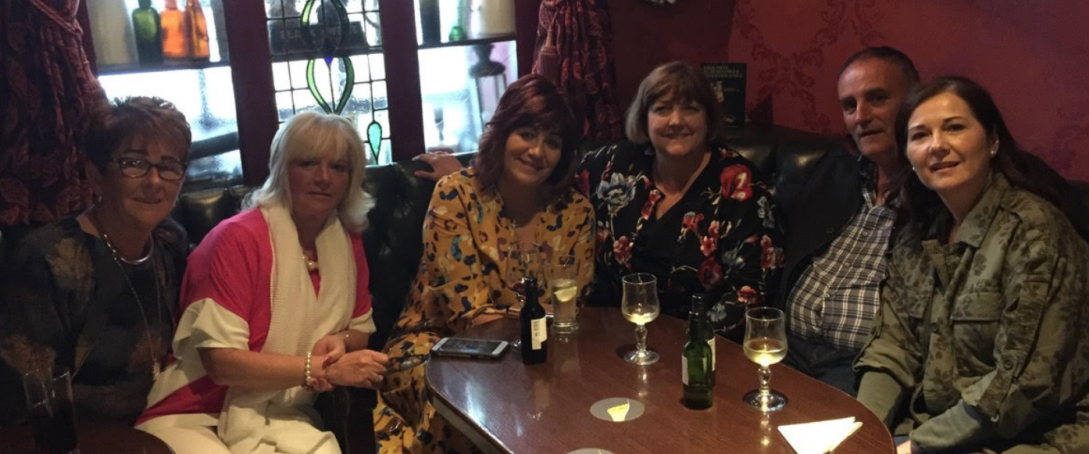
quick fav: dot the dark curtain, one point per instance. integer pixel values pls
(46, 89)
(573, 50)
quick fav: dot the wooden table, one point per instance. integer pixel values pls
(94, 438)
(507, 407)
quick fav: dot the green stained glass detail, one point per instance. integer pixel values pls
(346, 88)
(374, 136)
(328, 48)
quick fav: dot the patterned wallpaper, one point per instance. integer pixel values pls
(1032, 56)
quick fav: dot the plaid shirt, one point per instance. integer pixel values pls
(837, 296)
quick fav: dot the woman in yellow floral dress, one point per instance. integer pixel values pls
(517, 194)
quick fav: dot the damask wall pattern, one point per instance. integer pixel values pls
(1032, 56)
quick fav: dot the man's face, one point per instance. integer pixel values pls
(870, 94)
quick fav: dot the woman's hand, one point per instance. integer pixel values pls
(332, 347)
(360, 369)
(908, 447)
(442, 164)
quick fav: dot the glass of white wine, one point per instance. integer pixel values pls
(765, 344)
(640, 306)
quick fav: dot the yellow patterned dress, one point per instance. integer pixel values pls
(462, 276)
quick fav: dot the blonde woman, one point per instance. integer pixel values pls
(275, 306)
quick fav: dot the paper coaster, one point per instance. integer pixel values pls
(617, 409)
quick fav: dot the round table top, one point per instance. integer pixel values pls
(508, 407)
(94, 438)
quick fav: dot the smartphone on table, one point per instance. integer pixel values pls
(462, 347)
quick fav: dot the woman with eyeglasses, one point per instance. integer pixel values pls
(97, 293)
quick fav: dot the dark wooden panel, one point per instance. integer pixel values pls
(254, 96)
(545, 409)
(93, 438)
(402, 78)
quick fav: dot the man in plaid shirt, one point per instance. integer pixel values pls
(840, 221)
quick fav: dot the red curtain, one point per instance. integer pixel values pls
(46, 88)
(573, 50)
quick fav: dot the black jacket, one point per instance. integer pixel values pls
(817, 209)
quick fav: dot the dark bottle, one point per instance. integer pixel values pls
(696, 358)
(149, 40)
(534, 328)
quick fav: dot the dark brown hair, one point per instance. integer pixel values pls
(684, 83)
(1023, 170)
(530, 101)
(111, 124)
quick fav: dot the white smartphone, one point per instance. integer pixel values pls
(469, 348)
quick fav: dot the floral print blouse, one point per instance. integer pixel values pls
(722, 237)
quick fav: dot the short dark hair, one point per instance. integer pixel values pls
(110, 124)
(889, 54)
(1021, 168)
(536, 102)
(686, 84)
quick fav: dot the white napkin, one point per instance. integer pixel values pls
(819, 437)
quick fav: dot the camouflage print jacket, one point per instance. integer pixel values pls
(988, 337)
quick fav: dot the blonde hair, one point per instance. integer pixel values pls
(310, 135)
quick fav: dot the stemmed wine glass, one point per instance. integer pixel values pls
(765, 344)
(640, 306)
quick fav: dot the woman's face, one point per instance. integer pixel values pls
(530, 156)
(318, 185)
(948, 147)
(676, 128)
(148, 199)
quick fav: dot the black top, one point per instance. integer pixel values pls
(67, 303)
(721, 238)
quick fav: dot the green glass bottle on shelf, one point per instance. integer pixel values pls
(196, 31)
(145, 25)
(697, 373)
(457, 32)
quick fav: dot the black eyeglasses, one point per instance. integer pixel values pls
(138, 168)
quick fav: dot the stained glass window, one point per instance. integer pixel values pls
(327, 57)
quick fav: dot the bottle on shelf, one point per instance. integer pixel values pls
(534, 326)
(146, 28)
(196, 31)
(111, 28)
(173, 25)
(696, 358)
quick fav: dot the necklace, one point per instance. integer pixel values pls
(118, 256)
(155, 366)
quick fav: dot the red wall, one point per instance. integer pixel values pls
(1032, 56)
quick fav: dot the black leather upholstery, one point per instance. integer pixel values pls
(393, 239)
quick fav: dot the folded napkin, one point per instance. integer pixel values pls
(819, 437)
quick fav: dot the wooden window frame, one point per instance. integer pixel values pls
(251, 74)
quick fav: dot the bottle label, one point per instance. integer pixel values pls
(539, 332)
(684, 370)
(711, 342)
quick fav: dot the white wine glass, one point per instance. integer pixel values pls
(765, 344)
(640, 306)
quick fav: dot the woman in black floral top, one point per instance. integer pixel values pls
(697, 216)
